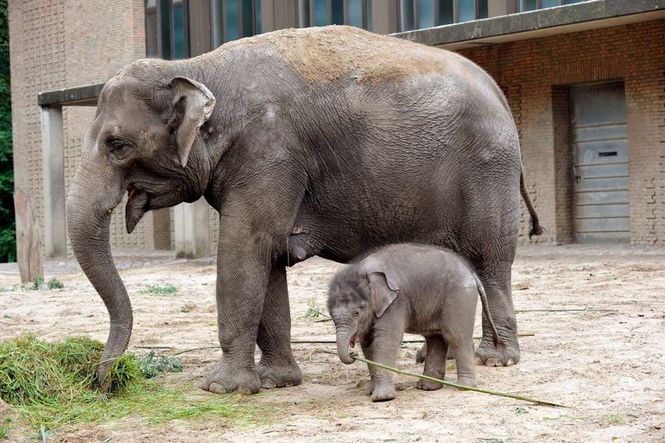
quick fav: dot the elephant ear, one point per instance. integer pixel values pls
(192, 107)
(384, 291)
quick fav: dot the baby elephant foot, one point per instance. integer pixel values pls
(427, 385)
(279, 376)
(383, 393)
(467, 381)
(224, 379)
(369, 387)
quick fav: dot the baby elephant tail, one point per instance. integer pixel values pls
(486, 312)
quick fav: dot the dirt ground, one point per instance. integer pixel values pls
(608, 366)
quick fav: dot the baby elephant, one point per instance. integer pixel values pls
(414, 288)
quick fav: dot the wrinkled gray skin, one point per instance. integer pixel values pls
(351, 155)
(408, 288)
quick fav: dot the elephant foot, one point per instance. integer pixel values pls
(467, 381)
(279, 376)
(224, 379)
(369, 387)
(427, 385)
(383, 393)
(507, 354)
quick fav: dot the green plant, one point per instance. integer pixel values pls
(54, 283)
(37, 283)
(151, 365)
(5, 425)
(167, 289)
(54, 384)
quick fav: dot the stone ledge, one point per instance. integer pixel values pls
(538, 20)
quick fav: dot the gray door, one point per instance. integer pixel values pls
(601, 163)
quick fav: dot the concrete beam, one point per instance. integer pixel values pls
(539, 23)
(79, 96)
(53, 164)
(191, 228)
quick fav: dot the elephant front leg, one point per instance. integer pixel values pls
(277, 367)
(500, 300)
(388, 334)
(242, 278)
(366, 343)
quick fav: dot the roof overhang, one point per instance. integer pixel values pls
(540, 23)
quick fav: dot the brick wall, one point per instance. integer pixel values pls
(61, 44)
(535, 73)
(37, 50)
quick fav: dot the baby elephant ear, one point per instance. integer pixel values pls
(384, 291)
(192, 106)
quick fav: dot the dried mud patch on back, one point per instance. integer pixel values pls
(333, 52)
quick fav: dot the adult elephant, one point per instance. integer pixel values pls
(355, 139)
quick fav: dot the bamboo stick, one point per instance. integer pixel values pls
(448, 383)
(566, 310)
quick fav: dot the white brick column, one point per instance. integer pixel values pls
(53, 158)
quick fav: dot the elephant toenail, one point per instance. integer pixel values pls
(510, 362)
(268, 383)
(217, 388)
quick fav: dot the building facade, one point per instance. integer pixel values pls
(585, 81)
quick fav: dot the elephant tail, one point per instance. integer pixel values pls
(486, 312)
(536, 229)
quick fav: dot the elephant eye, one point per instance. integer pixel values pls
(116, 145)
(356, 312)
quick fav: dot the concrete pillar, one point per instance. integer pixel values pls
(53, 162)
(384, 17)
(496, 8)
(192, 233)
(278, 14)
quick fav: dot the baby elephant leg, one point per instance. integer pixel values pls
(457, 329)
(366, 343)
(466, 365)
(385, 348)
(435, 362)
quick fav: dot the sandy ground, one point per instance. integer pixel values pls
(609, 367)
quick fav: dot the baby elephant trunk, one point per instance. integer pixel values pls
(343, 345)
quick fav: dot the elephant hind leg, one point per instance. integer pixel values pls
(496, 280)
(277, 367)
(435, 362)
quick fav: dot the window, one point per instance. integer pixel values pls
(531, 5)
(418, 14)
(151, 32)
(179, 42)
(233, 19)
(335, 12)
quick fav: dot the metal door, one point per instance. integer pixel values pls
(601, 163)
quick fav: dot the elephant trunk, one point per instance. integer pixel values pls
(97, 190)
(343, 345)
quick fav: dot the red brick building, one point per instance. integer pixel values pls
(585, 81)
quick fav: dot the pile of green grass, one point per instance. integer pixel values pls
(55, 384)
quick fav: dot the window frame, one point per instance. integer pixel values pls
(435, 4)
(306, 13)
(539, 5)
